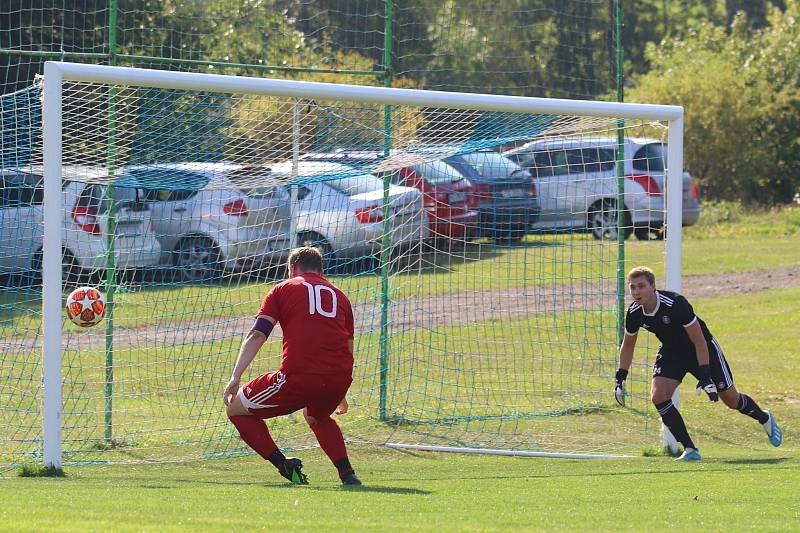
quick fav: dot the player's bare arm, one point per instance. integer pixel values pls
(626, 350)
(700, 345)
(706, 384)
(625, 359)
(252, 343)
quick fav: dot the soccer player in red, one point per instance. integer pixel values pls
(316, 367)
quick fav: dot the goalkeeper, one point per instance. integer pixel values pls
(315, 373)
(686, 346)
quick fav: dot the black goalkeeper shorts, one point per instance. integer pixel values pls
(677, 365)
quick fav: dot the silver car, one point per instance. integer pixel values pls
(577, 182)
(344, 216)
(206, 222)
(84, 229)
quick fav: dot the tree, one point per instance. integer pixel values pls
(741, 94)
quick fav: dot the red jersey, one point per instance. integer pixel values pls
(317, 322)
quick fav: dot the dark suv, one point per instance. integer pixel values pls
(507, 200)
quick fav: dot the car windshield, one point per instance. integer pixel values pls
(18, 189)
(165, 184)
(437, 172)
(651, 158)
(356, 184)
(258, 181)
(94, 197)
(492, 164)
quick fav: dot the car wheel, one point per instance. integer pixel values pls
(197, 258)
(315, 240)
(649, 234)
(71, 271)
(602, 221)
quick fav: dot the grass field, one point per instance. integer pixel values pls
(742, 484)
(735, 489)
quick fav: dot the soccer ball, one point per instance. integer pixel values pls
(86, 306)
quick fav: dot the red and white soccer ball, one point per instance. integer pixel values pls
(86, 306)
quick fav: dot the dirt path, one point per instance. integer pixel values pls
(740, 283)
(437, 310)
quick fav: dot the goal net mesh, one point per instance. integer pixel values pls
(485, 296)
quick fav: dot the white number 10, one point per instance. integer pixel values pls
(315, 299)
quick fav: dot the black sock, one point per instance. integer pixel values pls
(674, 421)
(748, 406)
(343, 466)
(277, 458)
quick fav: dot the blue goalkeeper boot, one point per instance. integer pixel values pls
(292, 469)
(773, 431)
(690, 454)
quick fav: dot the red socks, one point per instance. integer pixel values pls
(330, 439)
(255, 433)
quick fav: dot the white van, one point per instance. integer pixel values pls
(577, 181)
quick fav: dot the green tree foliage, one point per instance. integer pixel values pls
(521, 47)
(741, 92)
(651, 21)
(262, 125)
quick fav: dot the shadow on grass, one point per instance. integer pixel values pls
(365, 488)
(326, 487)
(772, 461)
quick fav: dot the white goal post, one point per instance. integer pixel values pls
(56, 73)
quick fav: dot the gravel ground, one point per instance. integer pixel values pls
(437, 310)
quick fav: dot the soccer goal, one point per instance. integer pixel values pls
(488, 297)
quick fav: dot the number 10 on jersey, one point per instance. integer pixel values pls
(315, 300)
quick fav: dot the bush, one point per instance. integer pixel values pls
(741, 94)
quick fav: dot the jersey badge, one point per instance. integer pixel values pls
(665, 319)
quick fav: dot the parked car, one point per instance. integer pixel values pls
(448, 196)
(85, 225)
(577, 182)
(507, 200)
(206, 221)
(343, 216)
(649, 158)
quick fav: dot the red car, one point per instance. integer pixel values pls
(449, 197)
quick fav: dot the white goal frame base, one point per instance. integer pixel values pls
(512, 453)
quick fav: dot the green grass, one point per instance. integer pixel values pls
(742, 483)
(729, 220)
(540, 260)
(740, 489)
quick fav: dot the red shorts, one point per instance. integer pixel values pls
(275, 394)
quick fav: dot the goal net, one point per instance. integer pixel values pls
(480, 239)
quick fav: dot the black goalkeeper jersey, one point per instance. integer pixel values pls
(668, 322)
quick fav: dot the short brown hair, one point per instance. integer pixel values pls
(642, 271)
(307, 258)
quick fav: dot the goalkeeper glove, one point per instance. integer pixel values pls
(706, 384)
(619, 386)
